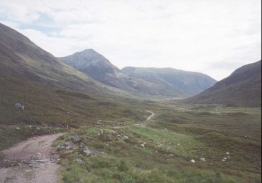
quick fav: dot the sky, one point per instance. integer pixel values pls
(213, 37)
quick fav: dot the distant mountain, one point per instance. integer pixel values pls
(190, 83)
(99, 68)
(93, 64)
(241, 88)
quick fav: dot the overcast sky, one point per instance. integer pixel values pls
(214, 37)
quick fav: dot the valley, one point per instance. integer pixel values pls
(161, 147)
(134, 125)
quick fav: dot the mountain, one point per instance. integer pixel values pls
(99, 68)
(190, 83)
(51, 91)
(22, 59)
(241, 88)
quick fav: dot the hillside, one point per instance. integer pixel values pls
(52, 92)
(99, 68)
(21, 58)
(241, 88)
(190, 83)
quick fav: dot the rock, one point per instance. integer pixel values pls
(94, 153)
(87, 152)
(202, 159)
(19, 106)
(143, 145)
(192, 161)
(227, 153)
(38, 128)
(17, 128)
(79, 161)
(69, 145)
(66, 145)
(125, 137)
(171, 155)
(60, 147)
(82, 145)
(75, 138)
(38, 155)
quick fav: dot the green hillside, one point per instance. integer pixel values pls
(241, 88)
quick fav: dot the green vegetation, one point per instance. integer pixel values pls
(161, 150)
(241, 88)
(175, 135)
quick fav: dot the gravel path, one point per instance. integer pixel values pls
(34, 161)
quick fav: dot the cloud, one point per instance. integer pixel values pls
(203, 36)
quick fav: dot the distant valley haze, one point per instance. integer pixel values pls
(210, 37)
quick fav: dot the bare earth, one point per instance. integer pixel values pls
(36, 164)
(151, 116)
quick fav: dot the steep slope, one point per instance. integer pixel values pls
(190, 83)
(241, 88)
(99, 68)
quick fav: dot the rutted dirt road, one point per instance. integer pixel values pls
(34, 160)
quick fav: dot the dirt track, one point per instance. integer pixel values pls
(33, 158)
(151, 116)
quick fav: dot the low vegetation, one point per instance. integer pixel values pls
(129, 148)
(161, 150)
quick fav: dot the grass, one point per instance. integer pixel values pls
(169, 147)
(56, 108)
(175, 135)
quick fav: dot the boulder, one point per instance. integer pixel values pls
(94, 153)
(60, 147)
(69, 145)
(87, 152)
(202, 159)
(75, 138)
(19, 106)
(66, 145)
(82, 145)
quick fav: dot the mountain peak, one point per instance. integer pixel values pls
(89, 50)
(88, 53)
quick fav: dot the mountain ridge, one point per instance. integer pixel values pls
(99, 68)
(189, 82)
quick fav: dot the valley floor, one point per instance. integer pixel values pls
(173, 143)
